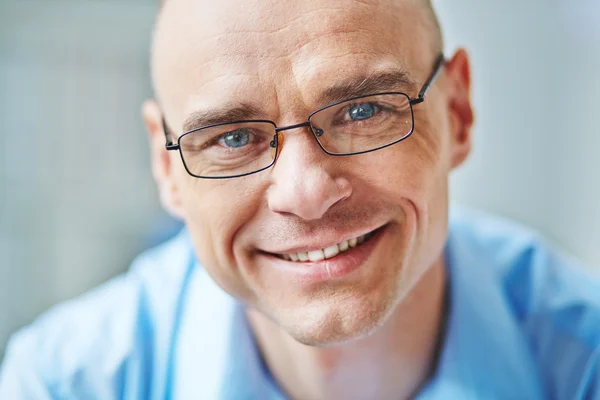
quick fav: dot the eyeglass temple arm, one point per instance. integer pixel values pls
(439, 62)
(169, 145)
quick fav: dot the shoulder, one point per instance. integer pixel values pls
(537, 278)
(553, 298)
(95, 340)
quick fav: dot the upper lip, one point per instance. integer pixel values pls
(320, 243)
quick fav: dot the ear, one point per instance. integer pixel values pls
(458, 75)
(161, 160)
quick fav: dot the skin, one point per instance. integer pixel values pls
(373, 333)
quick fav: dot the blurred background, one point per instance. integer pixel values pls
(77, 201)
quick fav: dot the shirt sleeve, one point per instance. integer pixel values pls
(76, 350)
(19, 376)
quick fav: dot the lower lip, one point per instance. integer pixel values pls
(337, 267)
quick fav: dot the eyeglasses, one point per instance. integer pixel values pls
(354, 126)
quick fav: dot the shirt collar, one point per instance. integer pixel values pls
(214, 352)
(484, 353)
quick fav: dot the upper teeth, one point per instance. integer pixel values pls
(329, 252)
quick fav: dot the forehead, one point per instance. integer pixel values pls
(209, 53)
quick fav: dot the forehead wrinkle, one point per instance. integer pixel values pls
(327, 59)
(335, 11)
(325, 35)
(274, 50)
(242, 28)
(324, 26)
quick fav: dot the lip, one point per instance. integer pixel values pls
(340, 266)
(321, 244)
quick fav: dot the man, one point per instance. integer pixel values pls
(307, 146)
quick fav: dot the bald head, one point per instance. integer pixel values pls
(431, 19)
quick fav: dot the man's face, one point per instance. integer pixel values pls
(280, 57)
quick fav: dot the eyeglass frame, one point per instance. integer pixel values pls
(170, 146)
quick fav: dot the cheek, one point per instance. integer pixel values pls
(414, 175)
(214, 213)
(429, 166)
(412, 169)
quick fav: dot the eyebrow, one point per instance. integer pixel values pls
(243, 111)
(383, 81)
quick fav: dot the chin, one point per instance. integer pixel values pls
(340, 319)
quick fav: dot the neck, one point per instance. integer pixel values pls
(392, 363)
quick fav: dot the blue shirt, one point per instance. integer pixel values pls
(523, 323)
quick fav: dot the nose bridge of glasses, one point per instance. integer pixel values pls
(289, 127)
(277, 142)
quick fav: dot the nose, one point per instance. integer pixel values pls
(304, 181)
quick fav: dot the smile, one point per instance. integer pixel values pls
(328, 252)
(311, 265)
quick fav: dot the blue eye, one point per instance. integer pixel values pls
(362, 111)
(235, 139)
